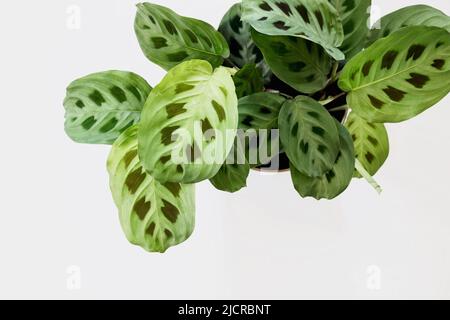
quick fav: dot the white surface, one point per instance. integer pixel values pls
(264, 242)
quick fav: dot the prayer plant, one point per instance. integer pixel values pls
(304, 85)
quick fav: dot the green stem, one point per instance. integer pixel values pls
(329, 100)
(335, 70)
(363, 172)
(341, 108)
(280, 93)
(231, 63)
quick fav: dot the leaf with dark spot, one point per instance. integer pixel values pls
(100, 106)
(219, 110)
(315, 21)
(168, 233)
(88, 123)
(438, 64)
(206, 125)
(300, 63)
(388, 59)
(134, 180)
(319, 18)
(154, 216)
(108, 126)
(281, 25)
(183, 87)
(335, 180)
(414, 15)
(170, 211)
(192, 96)
(165, 159)
(418, 80)
(97, 98)
(177, 56)
(370, 157)
(319, 131)
(159, 42)
(119, 94)
(375, 102)
(173, 187)
(265, 6)
(368, 139)
(170, 27)
(415, 52)
(151, 229)
(311, 143)
(366, 68)
(173, 39)
(192, 36)
(248, 80)
(141, 208)
(129, 157)
(80, 104)
(405, 61)
(303, 13)
(284, 7)
(394, 94)
(354, 15)
(175, 109)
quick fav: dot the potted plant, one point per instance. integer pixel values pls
(311, 74)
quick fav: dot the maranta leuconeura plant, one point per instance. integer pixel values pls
(299, 85)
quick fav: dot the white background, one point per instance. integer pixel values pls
(264, 242)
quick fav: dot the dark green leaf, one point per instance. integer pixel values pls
(258, 116)
(303, 65)
(100, 106)
(168, 39)
(355, 16)
(248, 80)
(242, 48)
(335, 181)
(309, 136)
(233, 174)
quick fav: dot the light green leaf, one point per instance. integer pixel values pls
(309, 136)
(191, 105)
(314, 20)
(100, 106)
(334, 182)
(153, 215)
(248, 80)
(417, 15)
(300, 63)
(242, 48)
(355, 15)
(259, 112)
(399, 76)
(233, 174)
(168, 38)
(371, 142)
